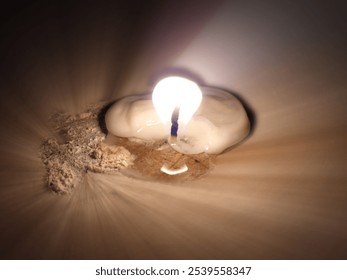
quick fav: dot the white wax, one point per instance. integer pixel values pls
(134, 116)
(220, 122)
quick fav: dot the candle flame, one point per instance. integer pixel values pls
(172, 92)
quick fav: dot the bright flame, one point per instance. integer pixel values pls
(172, 92)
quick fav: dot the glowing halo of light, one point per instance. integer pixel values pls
(172, 92)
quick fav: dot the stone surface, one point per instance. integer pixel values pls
(79, 148)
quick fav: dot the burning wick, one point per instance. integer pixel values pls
(174, 124)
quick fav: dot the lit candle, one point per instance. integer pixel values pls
(203, 119)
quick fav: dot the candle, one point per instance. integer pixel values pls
(207, 119)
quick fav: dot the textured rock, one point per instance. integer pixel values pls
(81, 150)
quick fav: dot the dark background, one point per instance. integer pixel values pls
(280, 195)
